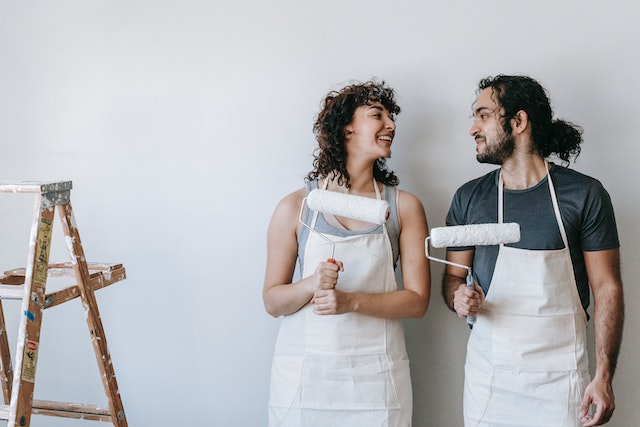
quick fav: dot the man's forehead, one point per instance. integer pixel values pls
(485, 100)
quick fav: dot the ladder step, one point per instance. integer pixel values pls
(11, 279)
(98, 266)
(64, 269)
(17, 277)
(34, 186)
(64, 409)
(71, 410)
(98, 280)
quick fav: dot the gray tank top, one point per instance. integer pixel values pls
(322, 226)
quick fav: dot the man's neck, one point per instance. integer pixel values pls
(520, 172)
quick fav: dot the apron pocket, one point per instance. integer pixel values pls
(348, 334)
(286, 374)
(477, 393)
(534, 343)
(525, 399)
(354, 382)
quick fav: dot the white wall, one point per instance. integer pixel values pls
(182, 123)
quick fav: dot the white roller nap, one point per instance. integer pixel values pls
(347, 205)
(475, 235)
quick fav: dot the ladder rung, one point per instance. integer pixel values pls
(65, 269)
(17, 277)
(11, 292)
(11, 279)
(64, 409)
(97, 266)
(99, 280)
(71, 410)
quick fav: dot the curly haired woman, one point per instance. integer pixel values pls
(340, 357)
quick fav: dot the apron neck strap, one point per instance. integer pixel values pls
(556, 208)
(500, 198)
(375, 186)
(554, 201)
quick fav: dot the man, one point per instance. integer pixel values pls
(527, 353)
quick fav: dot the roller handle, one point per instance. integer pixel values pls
(471, 320)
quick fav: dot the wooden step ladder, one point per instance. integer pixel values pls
(28, 284)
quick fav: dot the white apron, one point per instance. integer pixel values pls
(527, 353)
(348, 369)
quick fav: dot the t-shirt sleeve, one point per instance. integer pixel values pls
(599, 230)
(457, 215)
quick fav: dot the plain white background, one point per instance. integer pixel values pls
(182, 123)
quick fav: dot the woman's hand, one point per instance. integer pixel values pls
(332, 301)
(326, 275)
(325, 278)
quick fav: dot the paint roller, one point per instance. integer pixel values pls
(351, 206)
(471, 235)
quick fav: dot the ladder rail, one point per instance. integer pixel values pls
(90, 306)
(28, 342)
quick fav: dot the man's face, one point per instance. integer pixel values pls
(493, 145)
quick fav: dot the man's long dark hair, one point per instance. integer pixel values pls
(338, 107)
(550, 136)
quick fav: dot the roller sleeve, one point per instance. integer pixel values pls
(475, 235)
(347, 205)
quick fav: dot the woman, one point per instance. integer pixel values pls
(340, 357)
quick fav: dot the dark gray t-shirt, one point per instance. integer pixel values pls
(585, 208)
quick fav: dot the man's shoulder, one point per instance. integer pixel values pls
(564, 177)
(484, 182)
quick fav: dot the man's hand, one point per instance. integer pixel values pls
(600, 394)
(467, 302)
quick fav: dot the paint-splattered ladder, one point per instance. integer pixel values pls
(28, 284)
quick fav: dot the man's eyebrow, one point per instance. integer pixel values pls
(480, 109)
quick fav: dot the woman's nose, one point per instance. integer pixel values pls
(391, 125)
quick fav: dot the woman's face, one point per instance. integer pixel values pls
(370, 132)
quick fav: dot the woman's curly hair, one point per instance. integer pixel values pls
(338, 107)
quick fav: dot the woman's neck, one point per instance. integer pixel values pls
(359, 185)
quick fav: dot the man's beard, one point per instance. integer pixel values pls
(496, 154)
